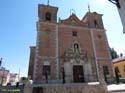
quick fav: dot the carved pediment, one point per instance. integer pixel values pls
(75, 53)
(73, 20)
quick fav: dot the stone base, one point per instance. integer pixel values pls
(70, 88)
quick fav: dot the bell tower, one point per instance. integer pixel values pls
(100, 46)
(47, 13)
(95, 20)
(45, 58)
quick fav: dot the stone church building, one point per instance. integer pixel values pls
(69, 50)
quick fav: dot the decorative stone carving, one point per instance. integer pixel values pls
(74, 55)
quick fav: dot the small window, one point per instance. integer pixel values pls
(74, 33)
(48, 16)
(105, 69)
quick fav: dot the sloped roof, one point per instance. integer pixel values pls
(118, 59)
(73, 20)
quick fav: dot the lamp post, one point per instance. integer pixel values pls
(121, 8)
(3, 69)
(116, 2)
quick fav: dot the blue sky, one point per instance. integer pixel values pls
(18, 27)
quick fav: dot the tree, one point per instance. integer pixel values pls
(117, 75)
(113, 53)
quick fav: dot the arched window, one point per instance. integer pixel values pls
(48, 16)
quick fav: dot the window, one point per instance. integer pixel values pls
(46, 70)
(105, 69)
(48, 16)
(74, 33)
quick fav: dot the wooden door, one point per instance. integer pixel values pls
(78, 75)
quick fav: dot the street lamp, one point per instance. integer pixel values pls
(116, 2)
(121, 8)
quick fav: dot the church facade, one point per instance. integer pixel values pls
(70, 50)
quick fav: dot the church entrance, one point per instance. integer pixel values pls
(78, 75)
